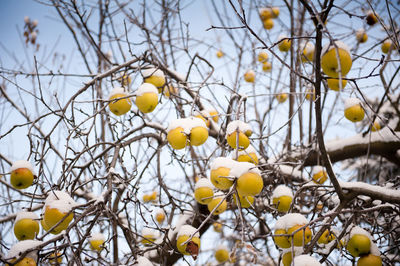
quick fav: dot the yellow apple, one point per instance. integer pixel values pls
(220, 54)
(177, 138)
(280, 239)
(217, 227)
(21, 178)
(267, 67)
(244, 141)
(153, 196)
(24, 262)
(250, 76)
(310, 94)
(149, 236)
(265, 13)
(198, 135)
(250, 158)
(146, 198)
(287, 259)
(182, 248)
(222, 254)
(282, 97)
(55, 258)
(97, 244)
(333, 83)
(147, 102)
(308, 52)
(214, 202)
(120, 107)
(203, 195)
(53, 215)
(369, 260)
(125, 80)
(148, 240)
(329, 61)
(371, 18)
(160, 217)
(297, 237)
(376, 126)
(262, 57)
(386, 45)
(154, 76)
(245, 201)
(214, 115)
(354, 113)
(204, 118)
(268, 24)
(320, 176)
(361, 36)
(219, 178)
(326, 237)
(170, 90)
(275, 12)
(249, 184)
(284, 44)
(26, 228)
(282, 204)
(358, 245)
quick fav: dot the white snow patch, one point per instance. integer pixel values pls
(187, 124)
(375, 250)
(237, 125)
(339, 44)
(203, 182)
(21, 247)
(305, 260)
(282, 36)
(143, 261)
(317, 169)
(356, 230)
(26, 215)
(118, 90)
(188, 230)
(221, 247)
(149, 232)
(148, 72)
(222, 162)
(289, 220)
(59, 195)
(60, 205)
(383, 135)
(97, 236)
(282, 190)
(349, 102)
(240, 168)
(378, 189)
(22, 164)
(180, 76)
(146, 88)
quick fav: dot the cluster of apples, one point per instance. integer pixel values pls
(56, 217)
(146, 94)
(152, 197)
(360, 244)
(263, 58)
(372, 19)
(187, 131)
(267, 14)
